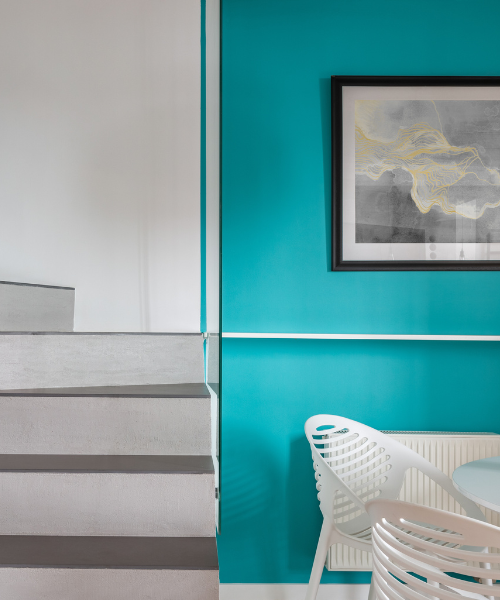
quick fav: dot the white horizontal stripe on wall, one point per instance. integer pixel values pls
(296, 591)
(364, 336)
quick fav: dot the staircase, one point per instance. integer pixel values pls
(106, 476)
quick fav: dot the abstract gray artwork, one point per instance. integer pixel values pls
(427, 171)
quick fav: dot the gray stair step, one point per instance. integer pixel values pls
(104, 552)
(53, 463)
(107, 495)
(33, 307)
(172, 390)
(153, 419)
(108, 568)
(49, 360)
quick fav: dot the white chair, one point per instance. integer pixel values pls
(354, 464)
(421, 553)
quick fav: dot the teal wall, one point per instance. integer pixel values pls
(277, 57)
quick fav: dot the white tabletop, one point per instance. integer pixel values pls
(480, 481)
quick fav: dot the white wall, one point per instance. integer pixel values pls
(99, 157)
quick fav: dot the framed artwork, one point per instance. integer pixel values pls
(415, 173)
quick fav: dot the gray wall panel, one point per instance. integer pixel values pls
(52, 360)
(36, 308)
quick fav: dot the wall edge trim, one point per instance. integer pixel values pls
(364, 336)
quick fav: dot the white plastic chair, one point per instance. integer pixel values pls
(421, 553)
(354, 464)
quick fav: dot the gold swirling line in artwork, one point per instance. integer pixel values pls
(435, 167)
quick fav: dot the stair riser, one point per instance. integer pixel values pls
(107, 504)
(75, 360)
(108, 584)
(34, 425)
(33, 308)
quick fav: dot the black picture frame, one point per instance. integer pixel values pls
(339, 262)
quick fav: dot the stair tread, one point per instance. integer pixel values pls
(106, 552)
(88, 463)
(107, 333)
(38, 285)
(167, 390)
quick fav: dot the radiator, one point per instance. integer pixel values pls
(445, 450)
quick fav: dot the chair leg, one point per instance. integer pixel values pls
(486, 581)
(371, 593)
(433, 584)
(324, 543)
(486, 566)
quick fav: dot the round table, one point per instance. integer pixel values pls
(479, 480)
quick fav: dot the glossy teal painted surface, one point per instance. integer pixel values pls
(271, 518)
(203, 169)
(277, 58)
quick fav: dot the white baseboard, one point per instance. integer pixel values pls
(291, 591)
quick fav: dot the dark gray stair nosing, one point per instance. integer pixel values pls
(40, 285)
(108, 552)
(144, 333)
(94, 463)
(167, 390)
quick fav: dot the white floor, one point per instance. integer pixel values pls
(235, 591)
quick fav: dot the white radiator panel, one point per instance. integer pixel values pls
(447, 451)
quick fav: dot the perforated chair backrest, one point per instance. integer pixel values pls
(421, 553)
(355, 463)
